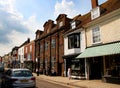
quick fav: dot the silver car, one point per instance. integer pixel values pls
(19, 78)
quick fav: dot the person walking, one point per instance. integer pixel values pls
(69, 73)
(37, 72)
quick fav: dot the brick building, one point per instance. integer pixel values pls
(49, 46)
(29, 53)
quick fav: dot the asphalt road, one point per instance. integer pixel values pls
(40, 83)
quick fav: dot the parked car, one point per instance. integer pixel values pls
(19, 78)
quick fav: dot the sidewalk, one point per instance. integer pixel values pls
(78, 83)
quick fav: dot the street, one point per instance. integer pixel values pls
(40, 83)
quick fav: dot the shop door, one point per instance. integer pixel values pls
(96, 68)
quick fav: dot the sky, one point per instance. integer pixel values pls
(19, 19)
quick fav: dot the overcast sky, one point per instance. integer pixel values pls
(19, 19)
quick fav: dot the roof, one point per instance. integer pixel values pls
(107, 7)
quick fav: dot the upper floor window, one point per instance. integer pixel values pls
(22, 50)
(47, 30)
(46, 45)
(41, 48)
(53, 43)
(38, 36)
(73, 25)
(95, 13)
(96, 34)
(74, 41)
(61, 24)
(30, 48)
(26, 50)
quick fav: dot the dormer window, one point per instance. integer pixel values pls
(73, 25)
(37, 36)
(95, 13)
(47, 30)
(61, 24)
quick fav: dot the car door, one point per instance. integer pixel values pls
(8, 77)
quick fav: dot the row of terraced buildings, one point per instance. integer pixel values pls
(89, 44)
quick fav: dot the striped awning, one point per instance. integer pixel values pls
(103, 50)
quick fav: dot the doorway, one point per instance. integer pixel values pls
(96, 68)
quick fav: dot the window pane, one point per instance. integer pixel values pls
(61, 24)
(96, 35)
(77, 41)
(74, 41)
(53, 43)
(71, 41)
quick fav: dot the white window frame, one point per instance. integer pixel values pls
(53, 42)
(61, 24)
(38, 36)
(30, 48)
(73, 25)
(95, 13)
(97, 34)
(26, 49)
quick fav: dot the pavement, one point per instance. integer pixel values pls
(75, 83)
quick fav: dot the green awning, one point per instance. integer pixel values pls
(102, 50)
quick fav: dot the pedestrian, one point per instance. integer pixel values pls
(37, 71)
(69, 73)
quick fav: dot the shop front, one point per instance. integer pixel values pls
(102, 62)
(112, 69)
(77, 66)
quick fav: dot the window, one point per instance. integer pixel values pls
(46, 45)
(26, 49)
(46, 63)
(48, 30)
(96, 34)
(73, 25)
(95, 13)
(74, 41)
(38, 36)
(22, 50)
(61, 24)
(30, 48)
(41, 48)
(53, 43)
(53, 60)
(41, 63)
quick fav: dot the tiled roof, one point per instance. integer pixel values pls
(105, 8)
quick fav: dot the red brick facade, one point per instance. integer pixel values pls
(29, 55)
(49, 46)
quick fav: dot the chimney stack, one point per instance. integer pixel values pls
(94, 3)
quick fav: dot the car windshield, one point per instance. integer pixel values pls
(22, 73)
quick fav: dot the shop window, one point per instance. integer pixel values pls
(113, 66)
(78, 67)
